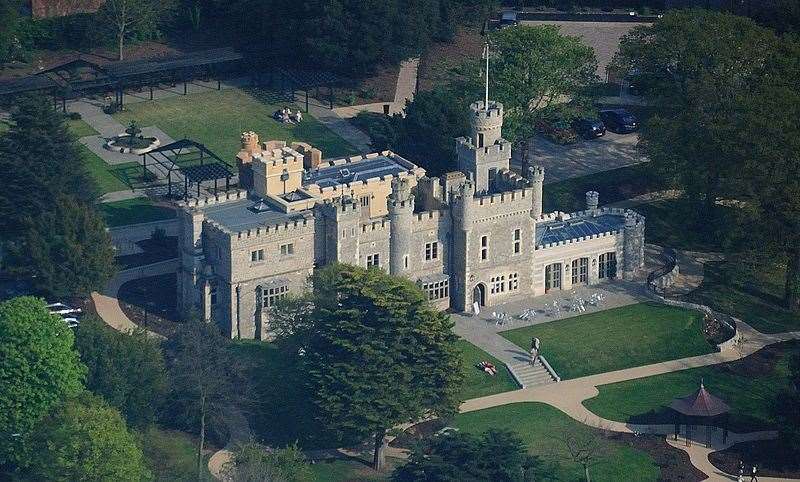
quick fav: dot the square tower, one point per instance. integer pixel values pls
(485, 152)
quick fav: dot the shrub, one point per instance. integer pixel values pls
(74, 116)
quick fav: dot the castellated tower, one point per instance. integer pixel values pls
(462, 211)
(401, 212)
(633, 239)
(485, 152)
(535, 175)
(342, 218)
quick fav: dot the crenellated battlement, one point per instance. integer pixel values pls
(512, 196)
(486, 118)
(293, 226)
(376, 225)
(200, 202)
(579, 240)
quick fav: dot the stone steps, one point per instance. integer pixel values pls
(531, 375)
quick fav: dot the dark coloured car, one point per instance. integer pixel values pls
(619, 120)
(509, 18)
(589, 128)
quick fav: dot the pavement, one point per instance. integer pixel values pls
(586, 156)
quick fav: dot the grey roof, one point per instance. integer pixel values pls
(239, 215)
(550, 232)
(329, 176)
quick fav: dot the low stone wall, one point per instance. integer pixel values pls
(549, 369)
(124, 238)
(729, 321)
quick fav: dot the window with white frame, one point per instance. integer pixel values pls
(517, 241)
(431, 251)
(373, 260)
(498, 284)
(513, 281)
(287, 249)
(484, 247)
(257, 255)
(437, 290)
(272, 294)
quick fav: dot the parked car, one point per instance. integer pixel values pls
(71, 322)
(509, 18)
(619, 120)
(589, 128)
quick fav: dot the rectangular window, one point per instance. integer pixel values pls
(513, 281)
(287, 249)
(607, 265)
(431, 251)
(272, 295)
(373, 260)
(484, 247)
(257, 255)
(580, 271)
(552, 277)
(437, 290)
(213, 293)
(517, 241)
(364, 201)
(498, 284)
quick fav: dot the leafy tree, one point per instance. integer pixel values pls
(126, 369)
(40, 162)
(376, 354)
(134, 19)
(67, 249)
(582, 447)
(768, 185)
(786, 407)
(38, 368)
(426, 135)
(537, 73)
(206, 380)
(9, 17)
(695, 89)
(252, 462)
(495, 455)
(86, 439)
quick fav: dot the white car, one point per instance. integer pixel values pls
(62, 309)
(72, 322)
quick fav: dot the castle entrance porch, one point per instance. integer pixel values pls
(479, 294)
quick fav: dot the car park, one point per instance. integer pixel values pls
(589, 128)
(619, 121)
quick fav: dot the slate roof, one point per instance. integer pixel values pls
(700, 404)
(329, 176)
(239, 215)
(549, 232)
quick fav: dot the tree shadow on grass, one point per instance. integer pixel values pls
(282, 412)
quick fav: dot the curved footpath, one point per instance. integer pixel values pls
(567, 396)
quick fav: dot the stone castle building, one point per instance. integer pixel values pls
(473, 236)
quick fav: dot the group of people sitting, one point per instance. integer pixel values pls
(487, 367)
(286, 116)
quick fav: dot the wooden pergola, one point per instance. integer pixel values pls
(700, 408)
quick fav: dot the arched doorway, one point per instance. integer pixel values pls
(479, 294)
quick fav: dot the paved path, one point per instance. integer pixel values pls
(107, 304)
(341, 127)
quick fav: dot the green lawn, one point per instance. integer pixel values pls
(614, 339)
(753, 296)
(133, 211)
(749, 386)
(80, 128)
(671, 223)
(614, 185)
(476, 382)
(540, 426)
(348, 471)
(218, 118)
(171, 455)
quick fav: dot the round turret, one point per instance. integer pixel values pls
(486, 123)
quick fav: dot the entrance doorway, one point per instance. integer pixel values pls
(479, 294)
(552, 277)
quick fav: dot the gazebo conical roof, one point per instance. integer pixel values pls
(700, 404)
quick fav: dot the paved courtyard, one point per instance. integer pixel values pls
(585, 157)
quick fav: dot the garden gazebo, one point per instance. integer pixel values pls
(700, 408)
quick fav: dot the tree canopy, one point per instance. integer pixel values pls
(38, 368)
(376, 354)
(536, 73)
(126, 369)
(252, 462)
(85, 439)
(458, 457)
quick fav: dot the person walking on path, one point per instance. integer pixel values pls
(535, 344)
(753, 475)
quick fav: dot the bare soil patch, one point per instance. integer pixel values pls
(436, 62)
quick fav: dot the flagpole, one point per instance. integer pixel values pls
(486, 93)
